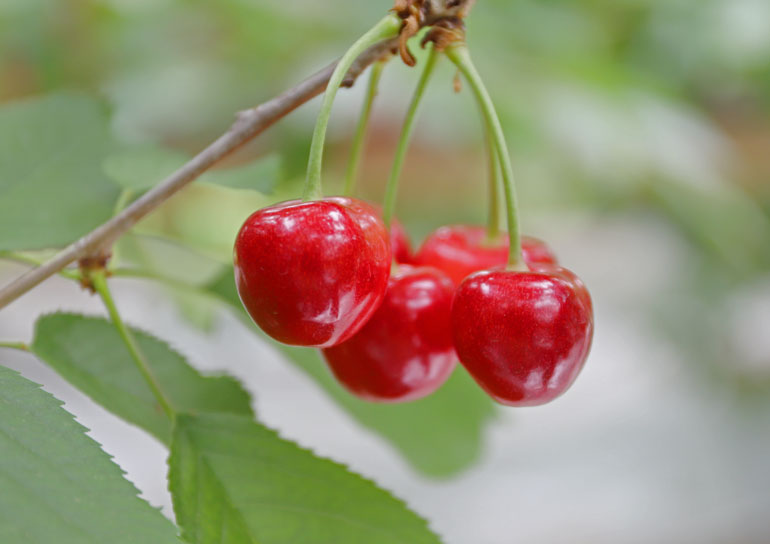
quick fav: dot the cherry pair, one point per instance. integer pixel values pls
(523, 335)
(406, 350)
(316, 273)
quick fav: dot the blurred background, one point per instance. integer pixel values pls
(640, 133)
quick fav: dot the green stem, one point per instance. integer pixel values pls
(15, 345)
(19, 258)
(460, 55)
(99, 280)
(406, 133)
(25, 259)
(388, 27)
(357, 149)
(493, 217)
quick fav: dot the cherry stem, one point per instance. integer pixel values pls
(388, 27)
(406, 133)
(460, 55)
(493, 217)
(15, 345)
(359, 138)
(99, 281)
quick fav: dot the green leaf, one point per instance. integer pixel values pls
(235, 481)
(57, 485)
(141, 168)
(439, 435)
(52, 188)
(89, 353)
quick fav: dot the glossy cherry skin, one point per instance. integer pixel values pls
(312, 273)
(523, 336)
(461, 250)
(405, 351)
(399, 243)
(569, 276)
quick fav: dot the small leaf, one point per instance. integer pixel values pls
(52, 186)
(140, 168)
(439, 435)
(235, 481)
(57, 485)
(89, 353)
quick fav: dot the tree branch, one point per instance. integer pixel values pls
(248, 125)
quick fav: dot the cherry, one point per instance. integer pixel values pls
(399, 243)
(569, 276)
(460, 250)
(405, 351)
(312, 273)
(523, 336)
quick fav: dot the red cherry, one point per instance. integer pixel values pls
(399, 243)
(461, 250)
(312, 273)
(523, 336)
(567, 275)
(405, 351)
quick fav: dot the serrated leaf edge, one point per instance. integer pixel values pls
(165, 343)
(86, 432)
(307, 449)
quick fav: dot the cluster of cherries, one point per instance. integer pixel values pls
(320, 274)
(392, 324)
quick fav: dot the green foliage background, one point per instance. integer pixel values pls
(651, 108)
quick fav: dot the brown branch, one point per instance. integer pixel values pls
(248, 124)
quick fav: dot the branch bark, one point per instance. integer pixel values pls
(248, 125)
